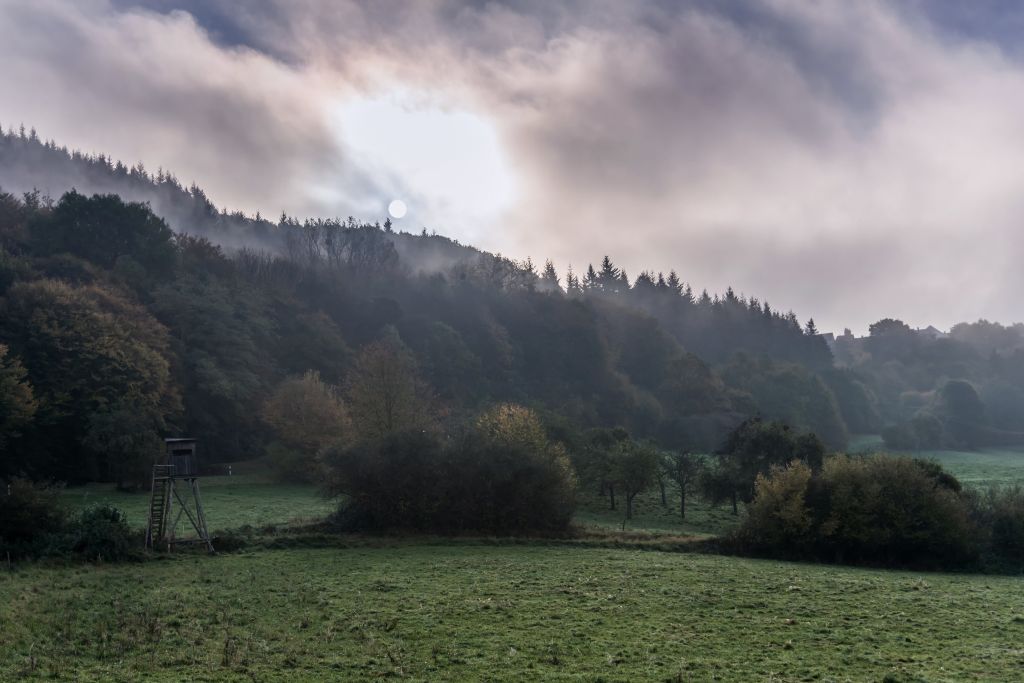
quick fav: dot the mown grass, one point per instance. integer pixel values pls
(473, 612)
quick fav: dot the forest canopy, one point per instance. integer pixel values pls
(121, 325)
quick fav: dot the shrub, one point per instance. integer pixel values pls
(502, 476)
(1008, 523)
(878, 509)
(503, 486)
(101, 532)
(999, 518)
(392, 482)
(290, 464)
(779, 517)
(29, 514)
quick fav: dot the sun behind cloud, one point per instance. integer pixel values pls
(449, 160)
(397, 208)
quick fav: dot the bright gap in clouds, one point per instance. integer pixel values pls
(447, 164)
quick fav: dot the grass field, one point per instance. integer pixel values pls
(230, 502)
(982, 467)
(431, 609)
(650, 515)
(254, 499)
(477, 612)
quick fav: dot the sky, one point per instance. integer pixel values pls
(846, 160)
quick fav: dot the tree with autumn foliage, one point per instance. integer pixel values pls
(307, 414)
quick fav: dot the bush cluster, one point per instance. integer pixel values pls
(998, 514)
(502, 476)
(30, 515)
(33, 524)
(895, 511)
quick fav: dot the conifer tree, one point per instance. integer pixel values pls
(549, 278)
(673, 282)
(608, 279)
(572, 283)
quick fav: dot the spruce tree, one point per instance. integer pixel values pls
(549, 278)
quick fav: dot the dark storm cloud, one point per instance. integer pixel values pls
(821, 155)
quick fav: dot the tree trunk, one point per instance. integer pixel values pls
(735, 507)
(664, 500)
(611, 496)
(629, 505)
(682, 503)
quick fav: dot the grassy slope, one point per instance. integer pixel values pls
(465, 612)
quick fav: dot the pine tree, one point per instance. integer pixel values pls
(549, 278)
(608, 279)
(644, 283)
(688, 295)
(811, 329)
(572, 283)
(673, 282)
(623, 282)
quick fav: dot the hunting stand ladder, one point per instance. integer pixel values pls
(175, 494)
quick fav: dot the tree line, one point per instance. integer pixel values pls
(894, 380)
(115, 331)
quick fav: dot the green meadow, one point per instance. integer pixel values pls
(485, 610)
(426, 612)
(230, 502)
(251, 498)
(980, 468)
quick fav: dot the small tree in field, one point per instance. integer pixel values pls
(636, 467)
(307, 415)
(516, 479)
(682, 471)
(597, 461)
(384, 391)
(753, 448)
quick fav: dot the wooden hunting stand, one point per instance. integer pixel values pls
(176, 478)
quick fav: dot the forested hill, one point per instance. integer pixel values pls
(116, 329)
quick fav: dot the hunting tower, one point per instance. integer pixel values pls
(175, 493)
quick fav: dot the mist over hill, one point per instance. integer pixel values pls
(210, 309)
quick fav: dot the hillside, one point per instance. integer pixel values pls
(209, 310)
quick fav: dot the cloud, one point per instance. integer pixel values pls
(154, 87)
(847, 160)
